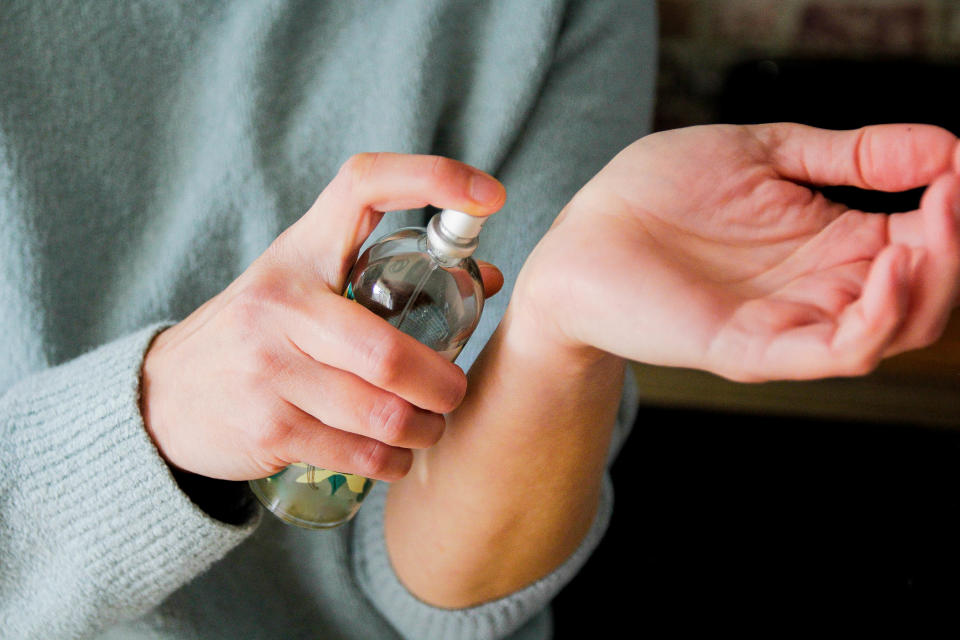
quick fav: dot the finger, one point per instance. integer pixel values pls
(888, 157)
(345, 335)
(331, 232)
(912, 228)
(935, 279)
(346, 402)
(308, 440)
(817, 346)
(867, 327)
(492, 279)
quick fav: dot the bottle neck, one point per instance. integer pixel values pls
(444, 260)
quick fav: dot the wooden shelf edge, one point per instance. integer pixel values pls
(932, 401)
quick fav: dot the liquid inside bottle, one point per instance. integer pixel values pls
(428, 294)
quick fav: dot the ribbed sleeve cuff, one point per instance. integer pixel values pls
(99, 525)
(414, 619)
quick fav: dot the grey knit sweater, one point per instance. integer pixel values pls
(149, 151)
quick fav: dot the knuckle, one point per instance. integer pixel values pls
(442, 167)
(373, 459)
(272, 431)
(357, 168)
(392, 420)
(385, 359)
(257, 361)
(447, 171)
(265, 363)
(258, 299)
(270, 287)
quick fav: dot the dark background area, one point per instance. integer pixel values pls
(723, 520)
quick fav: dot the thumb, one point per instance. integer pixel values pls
(330, 233)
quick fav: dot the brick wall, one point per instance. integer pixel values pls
(701, 39)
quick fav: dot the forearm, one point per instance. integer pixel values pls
(509, 492)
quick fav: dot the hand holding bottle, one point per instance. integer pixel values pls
(280, 368)
(422, 281)
(704, 247)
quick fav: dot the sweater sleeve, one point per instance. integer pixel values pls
(596, 99)
(93, 526)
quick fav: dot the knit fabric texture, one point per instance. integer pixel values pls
(149, 152)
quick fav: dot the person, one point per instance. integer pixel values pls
(699, 248)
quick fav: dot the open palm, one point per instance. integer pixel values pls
(707, 247)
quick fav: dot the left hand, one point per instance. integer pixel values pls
(705, 248)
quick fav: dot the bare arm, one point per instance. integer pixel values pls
(510, 491)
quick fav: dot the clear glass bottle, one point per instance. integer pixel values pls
(423, 282)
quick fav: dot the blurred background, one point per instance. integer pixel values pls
(798, 502)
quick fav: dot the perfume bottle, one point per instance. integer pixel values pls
(424, 283)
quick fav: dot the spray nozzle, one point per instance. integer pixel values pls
(460, 224)
(454, 233)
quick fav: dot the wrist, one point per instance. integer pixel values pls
(534, 328)
(150, 404)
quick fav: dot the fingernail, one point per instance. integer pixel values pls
(484, 189)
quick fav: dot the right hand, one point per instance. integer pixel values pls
(280, 368)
